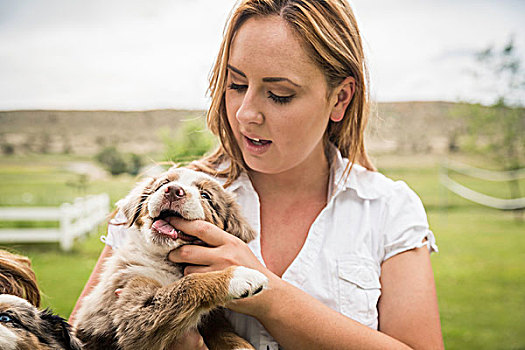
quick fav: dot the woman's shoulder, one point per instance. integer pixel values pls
(398, 211)
(374, 185)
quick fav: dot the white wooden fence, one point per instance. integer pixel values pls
(76, 219)
(480, 198)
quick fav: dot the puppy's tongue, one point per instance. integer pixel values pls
(165, 228)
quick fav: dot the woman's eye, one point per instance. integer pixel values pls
(237, 87)
(205, 195)
(5, 318)
(280, 99)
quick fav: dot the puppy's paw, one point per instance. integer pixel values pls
(246, 282)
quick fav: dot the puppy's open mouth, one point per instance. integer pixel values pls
(166, 213)
(161, 226)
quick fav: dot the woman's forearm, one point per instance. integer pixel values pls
(92, 281)
(298, 321)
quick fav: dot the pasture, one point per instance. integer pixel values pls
(480, 269)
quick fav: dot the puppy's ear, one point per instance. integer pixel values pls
(132, 204)
(60, 330)
(235, 223)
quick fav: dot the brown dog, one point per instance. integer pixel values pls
(22, 325)
(157, 305)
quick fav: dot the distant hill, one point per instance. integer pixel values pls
(85, 132)
(401, 126)
(412, 126)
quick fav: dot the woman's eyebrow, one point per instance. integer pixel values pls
(266, 80)
(277, 79)
(236, 70)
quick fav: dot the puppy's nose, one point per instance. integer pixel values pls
(174, 192)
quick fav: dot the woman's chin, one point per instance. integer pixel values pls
(262, 166)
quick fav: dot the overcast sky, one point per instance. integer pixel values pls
(147, 54)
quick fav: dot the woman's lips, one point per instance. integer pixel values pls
(256, 145)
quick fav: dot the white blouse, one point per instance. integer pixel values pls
(368, 219)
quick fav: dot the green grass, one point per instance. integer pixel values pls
(43, 181)
(480, 276)
(62, 275)
(480, 269)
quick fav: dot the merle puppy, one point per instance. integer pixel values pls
(156, 304)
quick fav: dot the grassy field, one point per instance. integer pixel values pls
(480, 269)
(44, 181)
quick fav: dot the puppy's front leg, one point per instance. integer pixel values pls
(149, 317)
(219, 334)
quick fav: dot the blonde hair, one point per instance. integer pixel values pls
(18, 278)
(330, 35)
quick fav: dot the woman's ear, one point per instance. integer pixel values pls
(343, 94)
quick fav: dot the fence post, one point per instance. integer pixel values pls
(66, 226)
(79, 218)
(443, 193)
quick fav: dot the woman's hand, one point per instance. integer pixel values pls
(190, 341)
(223, 249)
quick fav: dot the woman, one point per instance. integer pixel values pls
(346, 250)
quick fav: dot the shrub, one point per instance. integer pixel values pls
(8, 148)
(191, 141)
(135, 163)
(117, 162)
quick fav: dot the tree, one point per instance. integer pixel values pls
(190, 141)
(117, 162)
(113, 160)
(498, 132)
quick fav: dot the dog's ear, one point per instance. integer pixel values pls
(132, 204)
(60, 330)
(235, 223)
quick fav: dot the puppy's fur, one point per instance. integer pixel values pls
(157, 305)
(18, 278)
(22, 325)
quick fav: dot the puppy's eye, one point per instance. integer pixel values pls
(4, 318)
(205, 195)
(162, 183)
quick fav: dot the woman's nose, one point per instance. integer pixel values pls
(249, 112)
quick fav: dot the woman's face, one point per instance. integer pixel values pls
(276, 98)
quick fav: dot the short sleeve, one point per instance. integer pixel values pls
(117, 227)
(405, 224)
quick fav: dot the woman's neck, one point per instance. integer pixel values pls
(305, 180)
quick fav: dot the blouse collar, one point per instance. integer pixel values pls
(361, 180)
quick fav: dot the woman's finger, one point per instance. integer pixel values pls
(203, 230)
(188, 270)
(192, 254)
(190, 341)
